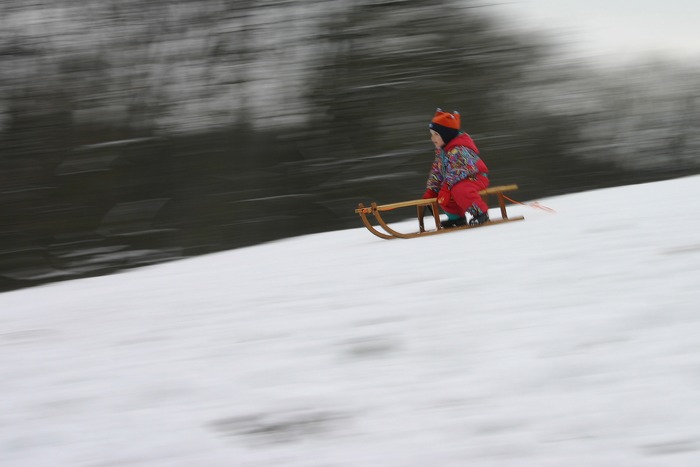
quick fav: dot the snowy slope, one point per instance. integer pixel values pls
(568, 339)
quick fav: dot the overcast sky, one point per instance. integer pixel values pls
(614, 27)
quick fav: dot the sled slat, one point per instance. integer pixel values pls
(427, 202)
(498, 189)
(403, 204)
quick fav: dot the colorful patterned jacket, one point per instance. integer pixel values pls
(456, 161)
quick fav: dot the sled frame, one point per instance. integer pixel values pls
(389, 233)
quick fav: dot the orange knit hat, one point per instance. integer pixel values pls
(446, 119)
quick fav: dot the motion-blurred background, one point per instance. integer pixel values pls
(139, 131)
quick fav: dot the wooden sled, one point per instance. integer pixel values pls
(389, 233)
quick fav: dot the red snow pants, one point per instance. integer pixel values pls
(465, 197)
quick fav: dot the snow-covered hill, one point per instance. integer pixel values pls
(569, 339)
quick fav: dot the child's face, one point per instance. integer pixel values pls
(436, 139)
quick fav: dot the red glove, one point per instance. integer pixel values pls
(444, 196)
(429, 194)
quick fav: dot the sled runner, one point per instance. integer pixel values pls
(420, 205)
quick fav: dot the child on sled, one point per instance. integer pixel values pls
(457, 174)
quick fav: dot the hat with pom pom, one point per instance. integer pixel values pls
(446, 124)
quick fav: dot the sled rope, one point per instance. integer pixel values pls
(535, 205)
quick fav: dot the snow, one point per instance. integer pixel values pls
(569, 338)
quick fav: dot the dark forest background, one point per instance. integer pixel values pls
(134, 132)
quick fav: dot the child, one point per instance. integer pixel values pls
(457, 174)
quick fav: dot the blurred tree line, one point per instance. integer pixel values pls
(134, 131)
